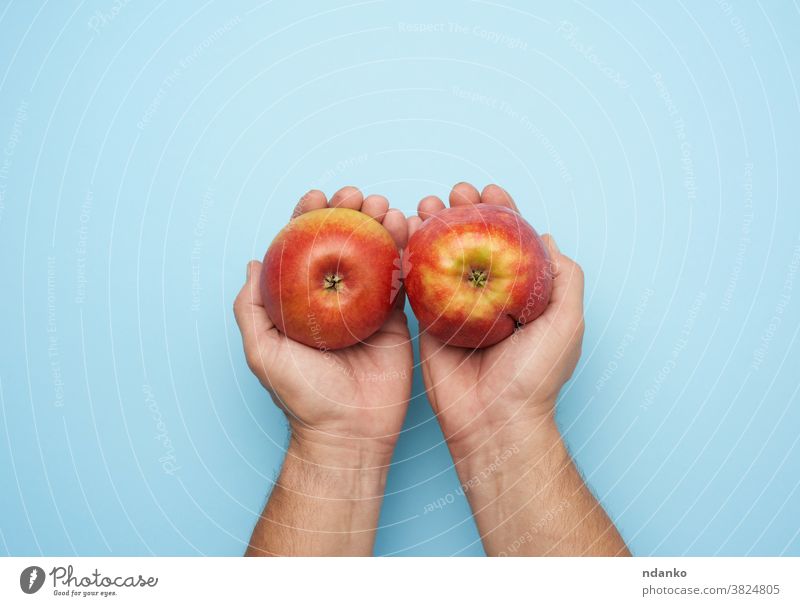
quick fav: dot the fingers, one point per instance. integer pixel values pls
(496, 195)
(413, 225)
(313, 200)
(429, 206)
(375, 206)
(251, 317)
(464, 194)
(396, 224)
(348, 197)
(552, 248)
(566, 301)
(392, 219)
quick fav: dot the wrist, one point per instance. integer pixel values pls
(510, 479)
(528, 498)
(354, 468)
(530, 428)
(498, 465)
(326, 500)
(509, 454)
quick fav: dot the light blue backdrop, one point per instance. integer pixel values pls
(149, 149)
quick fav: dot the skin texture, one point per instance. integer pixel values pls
(345, 410)
(342, 300)
(474, 273)
(496, 409)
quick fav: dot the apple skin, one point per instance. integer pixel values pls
(330, 277)
(473, 274)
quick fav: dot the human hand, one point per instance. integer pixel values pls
(501, 393)
(350, 401)
(495, 407)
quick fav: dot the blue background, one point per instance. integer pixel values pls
(149, 149)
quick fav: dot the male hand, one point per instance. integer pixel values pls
(496, 409)
(355, 396)
(486, 394)
(345, 409)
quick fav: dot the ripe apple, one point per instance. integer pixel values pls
(329, 278)
(475, 273)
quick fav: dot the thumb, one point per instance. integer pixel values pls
(251, 317)
(566, 301)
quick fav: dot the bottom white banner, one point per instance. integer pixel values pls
(397, 580)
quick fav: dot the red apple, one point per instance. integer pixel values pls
(329, 278)
(475, 273)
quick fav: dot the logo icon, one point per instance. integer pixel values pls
(31, 579)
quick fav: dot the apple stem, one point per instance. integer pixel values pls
(478, 278)
(333, 282)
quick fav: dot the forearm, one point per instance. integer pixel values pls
(529, 499)
(326, 501)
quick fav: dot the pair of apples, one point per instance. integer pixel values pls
(473, 274)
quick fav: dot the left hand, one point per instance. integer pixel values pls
(353, 400)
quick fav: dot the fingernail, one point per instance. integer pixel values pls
(248, 270)
(555, 245)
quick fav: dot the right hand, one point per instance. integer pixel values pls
(507, 391)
